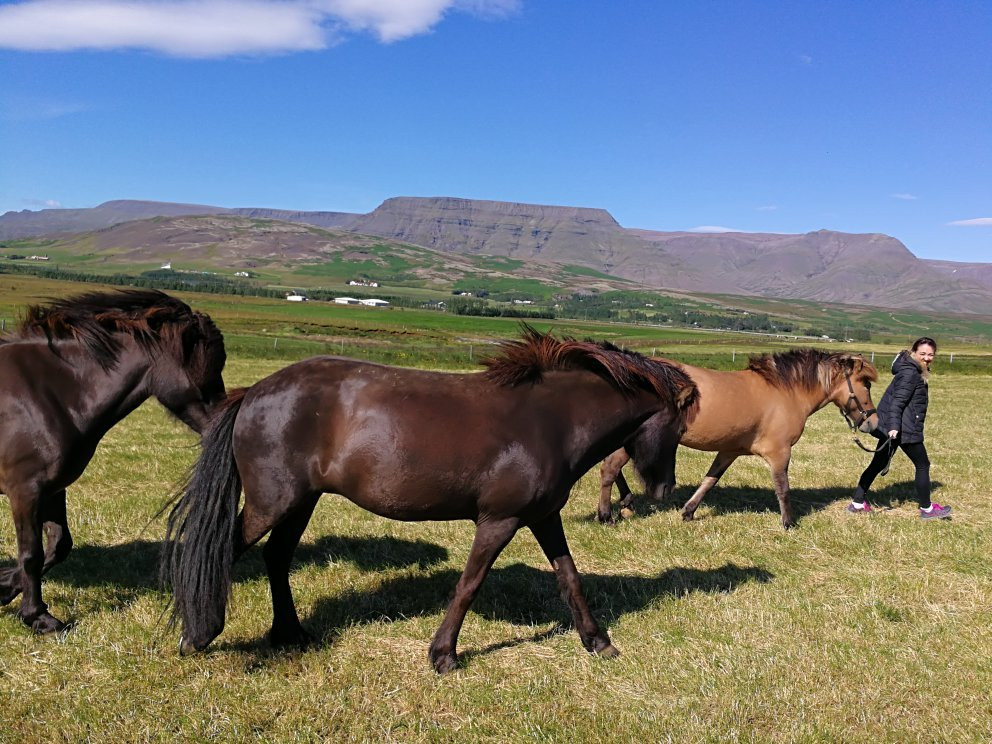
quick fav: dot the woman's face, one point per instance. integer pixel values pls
(924, 354)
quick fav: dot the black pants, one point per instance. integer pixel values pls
(915, 451)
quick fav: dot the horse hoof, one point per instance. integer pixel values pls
(45, 624)
(188, 648)
(444, 663)
(688, 516)
(627, 513)
(607, 520)
(608, 652)
(290, 637)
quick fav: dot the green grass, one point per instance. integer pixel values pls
(846, 629)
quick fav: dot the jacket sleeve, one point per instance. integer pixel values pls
(901, 388)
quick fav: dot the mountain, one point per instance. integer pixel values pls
(824, 266)
(979, 273)
(27, 224)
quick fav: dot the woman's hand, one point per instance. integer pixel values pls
(893, 434)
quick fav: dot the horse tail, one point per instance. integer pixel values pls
(198, 553)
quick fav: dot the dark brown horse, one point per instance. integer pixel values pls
(758, 411)
(502, 448)
(69, 372)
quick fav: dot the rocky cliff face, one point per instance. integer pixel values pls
(495, 228)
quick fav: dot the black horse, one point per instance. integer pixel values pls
(69, 372)
(501, 448)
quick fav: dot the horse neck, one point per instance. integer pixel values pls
(813, 399)
(604, 420)
(106, 395)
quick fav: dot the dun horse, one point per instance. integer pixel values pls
(501, 448)
(68, 373)
(758, 411)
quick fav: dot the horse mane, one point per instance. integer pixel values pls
(809, 368)
(98, 319)
(525, 360)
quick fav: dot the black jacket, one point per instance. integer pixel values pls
(904, 405)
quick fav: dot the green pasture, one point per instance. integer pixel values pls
(849, 628)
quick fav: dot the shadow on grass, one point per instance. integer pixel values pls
(131, 569)
(805, 501)
(517, 594)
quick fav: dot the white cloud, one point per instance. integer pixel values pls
(905, 197)
(220, 28)
(806, 59)
(36, 110)
(44, 203)
(766, 208)
(712, 229)
(977, 222)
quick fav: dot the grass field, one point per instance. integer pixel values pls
(845, 629)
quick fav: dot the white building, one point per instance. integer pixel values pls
(345, 301)
(296, 297)
(375, 303)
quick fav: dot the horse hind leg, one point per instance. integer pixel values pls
(491, 536)
(610, 472)
(278, 552)
(721, 462)
(551, 537)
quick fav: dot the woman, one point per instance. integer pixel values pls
(901, 414)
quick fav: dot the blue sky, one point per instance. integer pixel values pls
(756, 116)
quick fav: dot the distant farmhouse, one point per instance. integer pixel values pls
(356, 301)
(362, 283)
(296, 297)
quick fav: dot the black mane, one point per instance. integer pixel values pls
(97, 319)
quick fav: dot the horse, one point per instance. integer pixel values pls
(501, 447)
(69, 371)
(762, 411)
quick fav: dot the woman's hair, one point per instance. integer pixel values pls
(924, 341)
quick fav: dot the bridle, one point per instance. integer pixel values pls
(864, 416)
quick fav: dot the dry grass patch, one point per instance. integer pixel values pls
(846, 629)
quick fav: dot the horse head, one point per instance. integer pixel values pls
(188, 381)
(851, 392)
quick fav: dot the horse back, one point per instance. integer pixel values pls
(737, 409)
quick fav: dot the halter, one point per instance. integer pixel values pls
(865, 415)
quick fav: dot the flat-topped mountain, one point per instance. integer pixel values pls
(826, 266)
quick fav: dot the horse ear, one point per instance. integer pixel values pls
(686, 397)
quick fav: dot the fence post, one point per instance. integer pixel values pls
(952, 357)
(733, 355)
(873, 357)
(275, 343)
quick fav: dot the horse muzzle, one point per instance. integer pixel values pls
(869, 424)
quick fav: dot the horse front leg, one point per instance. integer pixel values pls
(721, 462)
(610, 473)
(58, 543)
(491, 536)
(551, 537)
(778, 463)
(25, 504)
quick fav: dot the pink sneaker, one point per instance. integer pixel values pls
(936, 512)
(866, 509)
